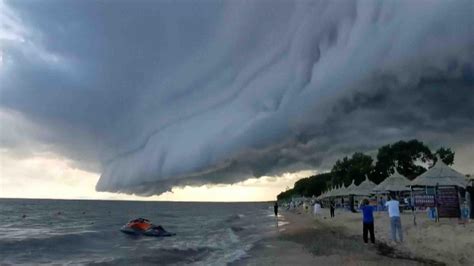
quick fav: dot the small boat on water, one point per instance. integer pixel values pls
(141, 226)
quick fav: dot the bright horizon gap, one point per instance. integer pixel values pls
(45, 175)
(174, 201)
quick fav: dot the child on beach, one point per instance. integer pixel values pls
(368, 221)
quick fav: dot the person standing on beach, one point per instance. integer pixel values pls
(331, 208)
(275, 209)
(395, 223)
(316, 208)
(367, 221)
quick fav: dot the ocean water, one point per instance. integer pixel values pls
(87, 232)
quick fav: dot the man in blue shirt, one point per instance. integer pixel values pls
(368, 221)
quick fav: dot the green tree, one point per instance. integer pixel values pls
(308, 186)
(313, 185)
(286, 194)
(446, 155)
(354, 168)
(410, 158)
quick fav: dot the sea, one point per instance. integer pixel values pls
(87, 232)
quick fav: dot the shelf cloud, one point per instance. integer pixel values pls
(155, 95)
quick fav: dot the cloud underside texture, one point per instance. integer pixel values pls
(160, 94)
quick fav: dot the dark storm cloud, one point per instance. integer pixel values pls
(171, 93)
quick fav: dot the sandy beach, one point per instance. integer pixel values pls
(306, 240)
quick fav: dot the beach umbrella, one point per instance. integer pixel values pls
(396, 183)
(365, 188)
(440, 174)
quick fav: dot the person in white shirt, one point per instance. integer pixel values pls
(316, 208)
(395, 223)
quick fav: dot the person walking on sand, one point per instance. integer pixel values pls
(275, 209)
(331, 208)
(316, 208)
(367, 221)
(394, 213)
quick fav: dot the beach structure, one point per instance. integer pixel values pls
(440, 175)
(333, 192)
(330, 194)
(470, 195)
(349, 191)
(341, 192)
(323, 195)
(351, 187)
(394, 183)
(364, 189)
(338, 193)
(440, 187)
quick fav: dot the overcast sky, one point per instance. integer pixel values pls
(144, 96)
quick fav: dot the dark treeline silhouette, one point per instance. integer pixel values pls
(411, 158)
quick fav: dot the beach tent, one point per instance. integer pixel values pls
(470, 196)
(341, 191)
(364, 189)
(440, 174)
(350, 192)
(447, 199)
(394, 183)
(320, 196)
(325, 194)
(332, 192)
(352, 187)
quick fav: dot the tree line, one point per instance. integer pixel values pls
(410, 158)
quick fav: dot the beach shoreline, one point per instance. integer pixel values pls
(307, 240)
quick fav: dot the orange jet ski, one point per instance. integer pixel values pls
(143, 226)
